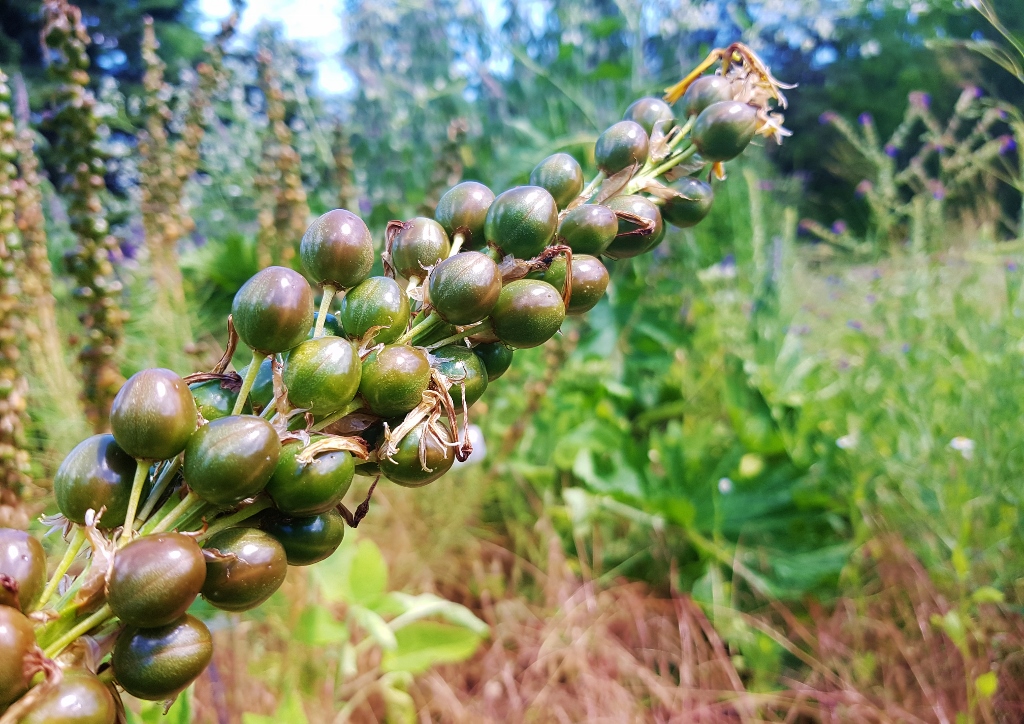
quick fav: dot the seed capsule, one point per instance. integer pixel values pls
(80, 698)
(589, 229)
(522, 221)
(628, 244)
(273, 311)
(96, 474)
(690, 208)
(331, 326)
(464, 288)
(308, 539)
(214, 400)
(17, 640)
(589, 281)
(622, 145)
(337, 249)
(560, 174)
(464, 369)
(420, 244)
(159, 663)
(253, 565)
(703, 92)
(308, 488)
(723, 130)
(23, 560)
(155, 579)
(649, 111)
(528, 313)
(497, 358)
(376, 302)
(231, 459)
(153, 415)
(394, 379)
(322, 375)
(406, 467)
(262, 393)
(463, 209)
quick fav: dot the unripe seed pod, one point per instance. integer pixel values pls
(589, 281)
(153, 415)
(159, 663)
(337, 249)
(23, 560)
(307, 539)
(589, 229)
(375, 302)
(96, 474)
(215, 400)
(464, 288)
(322, 375)
(560, 174)
(463, 208)
(620, 146)
(273, 311)
(231, 459)
(628, 244)
(497, 358)
(155, 579)
(394, 379)
(528, 313)
(406, 468)
(464, 369)
(309, 488)
(522, 221)
(17, 640)
(649, 111)
(80, 698)
(703, 92)
(420, 244)
(254, 566)
(723, 130)
(692, 206)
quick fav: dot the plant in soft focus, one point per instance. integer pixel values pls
(343, 167)
(80, 167)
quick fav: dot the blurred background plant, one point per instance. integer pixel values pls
(775, 473)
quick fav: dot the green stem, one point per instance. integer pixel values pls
(325, 305)
(81, 629)
(141, 473)
(426, 325)
(162, 482)
(183, 507)
(269, 412)
(483, 326)
(74, 546)
(169, 505)
(413, 283)
(683, 132)
(592, 186)
(334, 417)
(245, 513)
(457, 241)
(670, 163)
(247, 383)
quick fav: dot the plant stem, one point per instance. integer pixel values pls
(74, 546)
(457, 241)
(325, 304)
(335, 416)
(245, 513)
(670, 163)
(141, 473)
(81, 629)
(164, 480)
(483, 326)
(413, 283)
(183, 507)
(427, 324)
(169, 505)
(250, 378)
(592, 186)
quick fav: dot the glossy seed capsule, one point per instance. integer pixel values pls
(252, 565)
(262, 393)
(322, 375)
(307, 539)
(464, 369)
(693, 204)
(376, 302)
(628, 244)
(463, 209)
(155, 578)
(96, 474)
(215, 398)
(394, 379)
(79, 698)
(589, 281)
(561, 175)
(17, 640)
(331, 326)
(308, 487)
(621, 146)
(153, 415)
(231, 459)
(337, 249)
(522, 221)
(273, 311)
(703, 92)
(649, 111)
(159, 663)
(723, 130)
(497, 358)
(589, 229)
(406, 467)
(420, 244)
(23, 560)
(528, 313)
(464, 288)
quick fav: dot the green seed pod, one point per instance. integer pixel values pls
(214, 399)
(522, 221)
(648, 111)
(394, 379)
(724, 129)
(153, 415)
(420, 244)
(308, 539)
(17, 640)
(155, 579)
(463, 209)
(528, 313)
(376, 302)
(273, 311)
(690, 208)
(560, 174)
(257, 569)
(331, 326)
(497, 358)
(589, 229)
(464, 369)
(406, 468)
(703, 92)
(589, 281)
(322, 375)
(464, 288)
(628, 244)
(337, 249)
(231, 459)
(159, 663)
(262, 392)
(96, 474)
(307, 488)
(622, 145)
(79, 698)
(23, 560)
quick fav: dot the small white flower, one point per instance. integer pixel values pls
(963, 445)
(847, 442)
(724, 486)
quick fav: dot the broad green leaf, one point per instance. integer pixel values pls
(427, 604)
(367, 574)
(424, 644)
(376, 627)
(318, 627)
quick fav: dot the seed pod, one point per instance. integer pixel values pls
(307, 488)
(79, 698)
(522, 221)
(723, 130)
(96, 474)
(649, 111)
(331, 326)
(155, 579)
(620, 146)
(308, 539)
(703, 92)
(628, 243)
(23, 559)
(560, 174)
(463, 208)
(262, 392)
(589, 229)
(159, 663)
(589, 281)
(464, 288)
(692, 206)
(337, 249)
(252, 567)
(231, 459)
(528, 313)
(497, 358)
(215, 400)
(17, 640)
(464, 369)
(273, 311)
(420, 244)
(322, 375)
(376, 302)
(153, 415)
(394, 379)
(406, 467)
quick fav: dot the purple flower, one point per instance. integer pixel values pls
(828, 117)
(854, 324)
(840, 227)
(1011, 266)
(365, 206)
(937, 189)
(865, 119)
(863, 189)
(920, 100)
(890, 150)
(974, 90)
(871, 298)
(766, 185)
(905, 348)
(1007, 144)
(729, 260)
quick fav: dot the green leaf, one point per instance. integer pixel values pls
(368, 574)
(427, 604)
(318, 627)
(375, 626)
(424, 644)
(987, 684)
(988, 594)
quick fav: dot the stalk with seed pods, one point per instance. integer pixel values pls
(213, 484)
